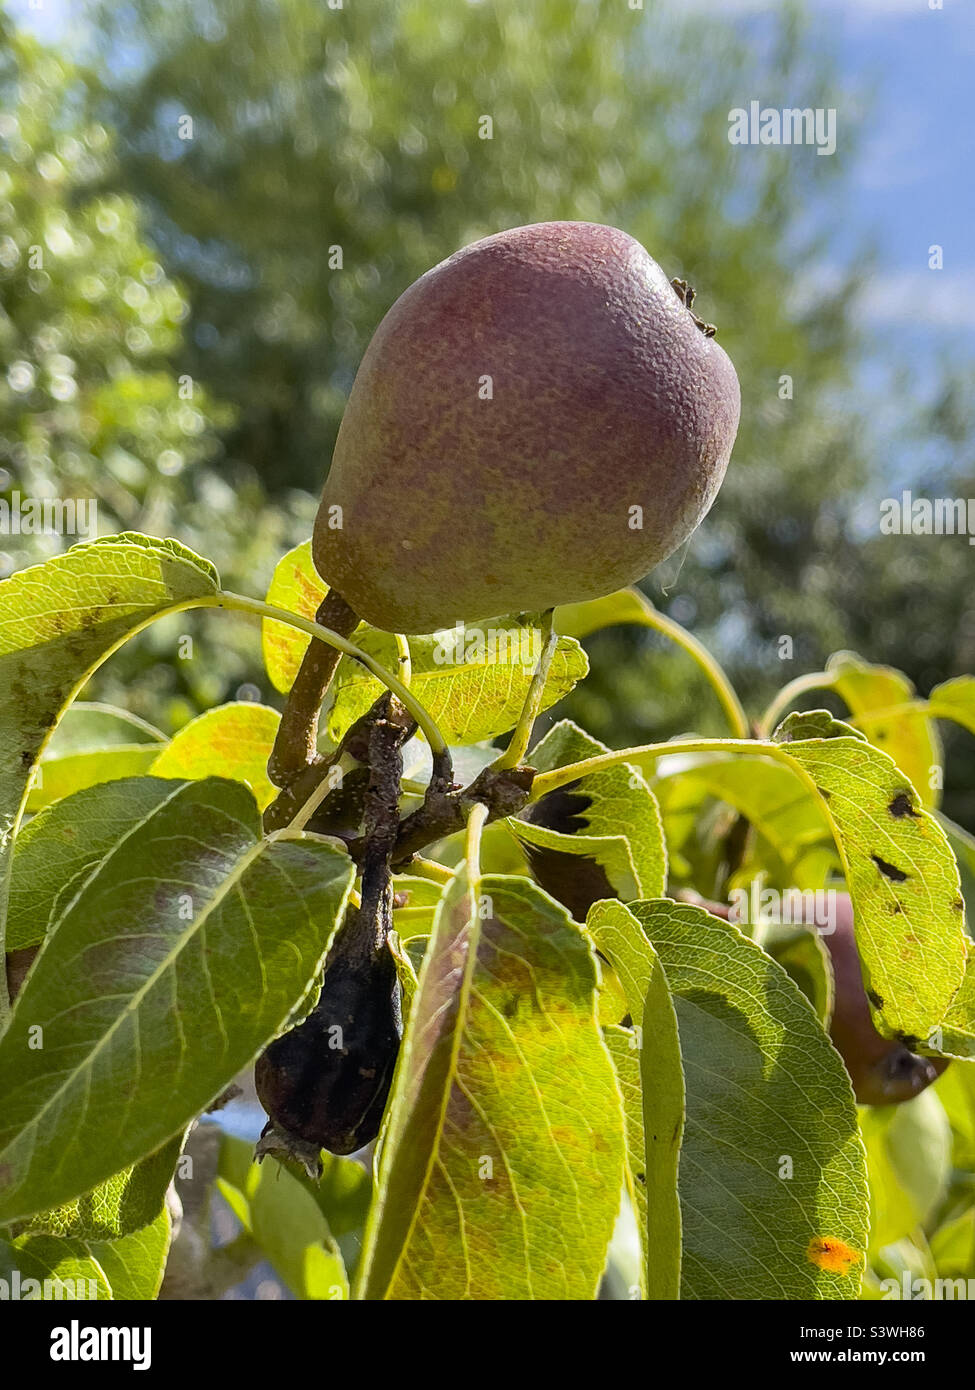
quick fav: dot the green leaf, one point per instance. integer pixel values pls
(955, 1036)
(135, 1264)
(502, 1166)
(284, 1219)
(963, 847)
(56, 778)
(955, 699)
(57, 851)
(908, 1163)
(415, 917)
(614, 817)
(900, 873)
(955, 1088)
(58, 622)
(90, 727)
(583, 619)
(343, 1194)
(655, 1122)
(67, 1267)
(124, 1203)
(953, 1247)
(232, 740)
(176, 960)
(771, 1180)
(92, 743)
(911, 740)
(786, 814)
(297, 587)
(474, 692)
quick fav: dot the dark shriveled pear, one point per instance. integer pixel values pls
(540, 419)
(326, 1081)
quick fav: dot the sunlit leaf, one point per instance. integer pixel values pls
(59, 621)
(900, 873)
(474, 690)
(502, 1165)
(296, 587)
(124, 1203)
(610, 821)
(910, 739)
(232, 740)
(135, 1264)
(41, 1266)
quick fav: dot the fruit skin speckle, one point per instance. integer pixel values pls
(832, 1254)
(599, 446)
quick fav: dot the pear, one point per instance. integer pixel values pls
(540, 419)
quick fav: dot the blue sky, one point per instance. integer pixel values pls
(914, 185)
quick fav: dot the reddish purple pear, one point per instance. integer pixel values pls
(538, 420)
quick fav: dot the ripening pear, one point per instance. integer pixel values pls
(540, 419)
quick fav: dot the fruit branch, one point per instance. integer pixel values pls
(296, 742)
(502, 791)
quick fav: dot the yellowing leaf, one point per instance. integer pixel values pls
(502, 1165)
(474, 692)
(900, 873)
(232, 740)
(297, 587)
(910, 739)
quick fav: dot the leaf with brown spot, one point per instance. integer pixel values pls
(763, 1084)
(901, 876)
(501, 1164)
(911, 739)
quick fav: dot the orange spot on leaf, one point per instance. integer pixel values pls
(832, 1254)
